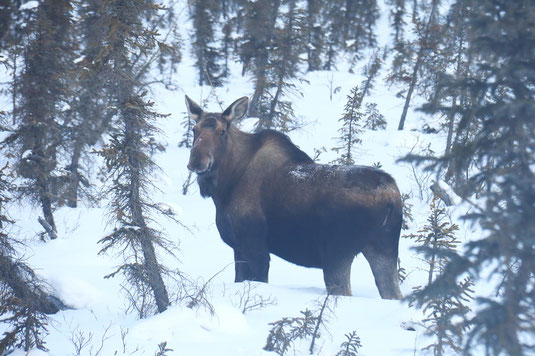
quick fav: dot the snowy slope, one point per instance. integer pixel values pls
(74, 269)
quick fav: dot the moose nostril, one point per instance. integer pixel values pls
(200, 166)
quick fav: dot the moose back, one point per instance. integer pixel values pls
(271, 197)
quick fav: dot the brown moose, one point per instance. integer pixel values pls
(271, 197)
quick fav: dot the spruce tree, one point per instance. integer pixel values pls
(332, 25)
(414, 58)
(205, 16)
(36, 142)
(351, 346)
(397, 22)
(373, 119)
(13, 32)
(349, 27)
(359, 33)
(498, 157)
(128, 155)
(443, 309)
(254, 45)
(454, 51)
(436, 236)
(354, 120)
(275, 111)
(91, 107)
(315, 42)
(351, 128)
(370, 71)
(24, 299)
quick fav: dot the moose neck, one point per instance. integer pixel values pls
(239, 152)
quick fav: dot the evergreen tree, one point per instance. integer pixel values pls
(437, 236)
(92, 105)
(285, 331)
(44, 90)
(407, 211)
(282, 67)
(359, 33)
(254, 46)
(415, 59)
(437, 240)
(24, 300)
(454, 51)
(315, 41)
(13, 30)
(373, 119)
(354, 120)
(351, 346)
(332, 24)
(128, 154)
(370, 72)
(205, 15)
(498, 157)
(444, 313)
(397, 22)
(91, 114)
(349, 27)
(351, 127)
(227, 43)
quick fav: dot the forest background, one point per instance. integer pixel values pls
(438, 93)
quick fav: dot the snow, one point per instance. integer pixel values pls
(308, 172)
(74, 269)
(455, 199)
(78, 60)
(26, 154)
(29, 5)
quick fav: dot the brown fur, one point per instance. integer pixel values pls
(270, 197)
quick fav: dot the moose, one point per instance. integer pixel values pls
(271, 197)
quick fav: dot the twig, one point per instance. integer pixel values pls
(318, 323)
(213, 89)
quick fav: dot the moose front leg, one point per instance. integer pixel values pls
(241, 267)
(251, 268)
(251, 257)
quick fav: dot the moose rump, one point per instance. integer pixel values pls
(270, 197)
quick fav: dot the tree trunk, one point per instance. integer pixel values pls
(414, 78)
(419, 61)
(46, 205)
(74, 177)
(150, 263)
(11, 273)
(153, 271)
(261, 60)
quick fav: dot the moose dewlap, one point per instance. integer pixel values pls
(271, 197)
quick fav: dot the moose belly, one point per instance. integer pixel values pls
(296, 245)
(306, 239)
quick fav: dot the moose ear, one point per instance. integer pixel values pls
(194, 109)
(236, 110)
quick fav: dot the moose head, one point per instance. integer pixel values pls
(211, 133)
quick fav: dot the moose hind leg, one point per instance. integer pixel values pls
(337, 276)
(383, 262)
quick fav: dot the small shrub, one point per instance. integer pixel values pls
(351, 346)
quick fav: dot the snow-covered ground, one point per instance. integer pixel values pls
(72, 266)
